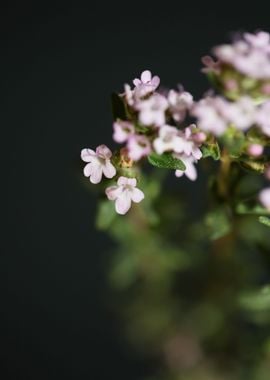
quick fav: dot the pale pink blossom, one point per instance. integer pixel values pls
(122, 131)
(179, 104)
(152, 110)
(138, 146)
(129, 95)
(210, 65)
(146, 83)
(124, 193)
(264, 197)
(263, 117)
(241, 113)
(250, 55)
(259, 40)
(168, 140)
(210, 114)
(172, 139)
(255, 150)
(98, 163)
(190, 171)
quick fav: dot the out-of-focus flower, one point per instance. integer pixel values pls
(250, 55)
(146, 83)
(152, 110)
(98, 163)
(263, 118)
(124, 193)
(190, 171)
(138, 146)
(241, 113)
(210, 65)
(264, 197)
(122, 131)
(210, 114)
(255, 150)
(179, 104)
(190, 145)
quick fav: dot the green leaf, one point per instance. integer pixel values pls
(211, 150)
(218, 223)
(105, 215)
(264, 220)
(249, 209)
(118, 107)
(256, 300)
(252, 166)
(166, 161)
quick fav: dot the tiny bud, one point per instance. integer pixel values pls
(199, 137)
(266, 88)
(125, 160)
(231, 85)
(255, 150)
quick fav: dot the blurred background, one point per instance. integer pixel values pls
(60, 64)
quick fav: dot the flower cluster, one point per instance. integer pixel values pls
(153, 123)
(173, 131)
(216, 114)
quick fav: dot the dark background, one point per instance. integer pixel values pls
(60, 64)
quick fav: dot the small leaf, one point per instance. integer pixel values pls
(211, 150)
(264, 220)
(218, 223)
(105, 215)
(166, 161)
(118, 107)
(247, 209)
(256, 300)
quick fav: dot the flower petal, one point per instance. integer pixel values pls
(137, 195)
(123, 203)
(96, 174)
(87, 154)
(136, 82)
(122, 181)
(113, 192)
(146, 76)
(155, 81)
(104, 152)
(190, 171)
(108, 169)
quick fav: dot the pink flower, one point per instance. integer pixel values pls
(210, 115)
(190, 170)
(122, 131)
(124, 193)
(179, 103)
(264, 198)
(259, 40)
(147, 83)
(250, 55)
(152, 110)
(241, 113)
(98, 163)
(168, 140)
(255, 150)
(263, 118)
(171, 139)
(210, 65)
(138, 146)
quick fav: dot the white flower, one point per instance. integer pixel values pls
(190, 170)
(152, 110)
(124, 193)
(264, 198)
(146, 83)
(138, 146)
(210, 115)
(263, 118)
(98, 163)
(168, 140)
(179, 103)
(241, 113)
(171, 139)
(122, 131)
